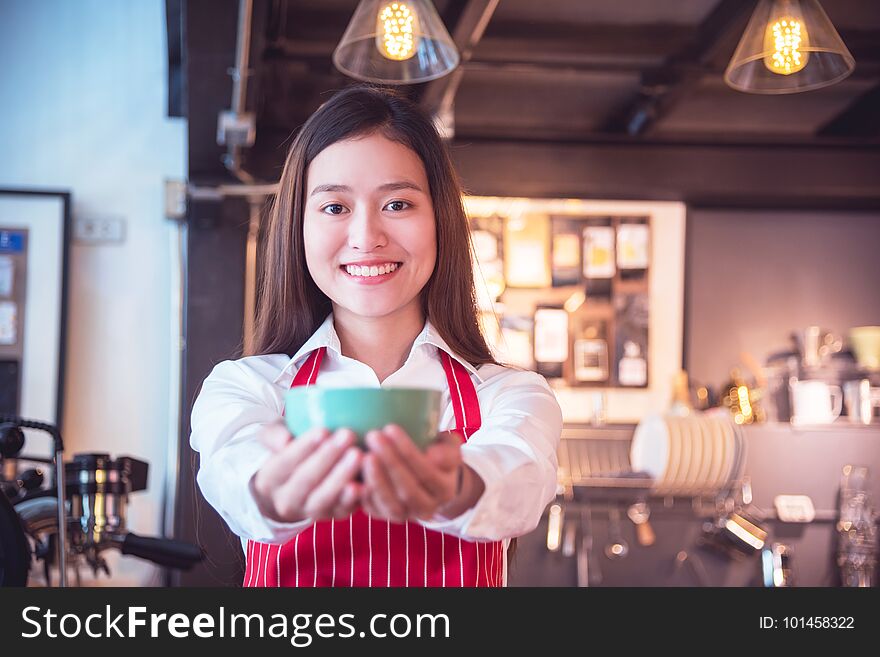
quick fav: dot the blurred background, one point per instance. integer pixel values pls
(676, 216)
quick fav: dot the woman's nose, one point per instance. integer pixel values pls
(366, 231)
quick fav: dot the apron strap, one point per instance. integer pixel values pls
(462, 392)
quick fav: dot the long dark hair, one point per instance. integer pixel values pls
(290, 306)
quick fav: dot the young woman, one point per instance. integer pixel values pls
(367, 281)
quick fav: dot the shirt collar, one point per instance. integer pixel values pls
(326, 336)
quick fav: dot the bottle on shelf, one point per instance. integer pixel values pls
(551, 341)
(590, 349)
(598, 260)
(632, 369)
(681, 396)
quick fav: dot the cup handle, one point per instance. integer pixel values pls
(837, 403)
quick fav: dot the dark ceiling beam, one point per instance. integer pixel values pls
(574, 72)
(662, 87)
(491, 131)
(553, 43)
(547, 164)
(859, 119)
(437, 96)
(311, 23)
(301, 50)
(864, 45)
(824, 177)
(574, 44)
(316, 56)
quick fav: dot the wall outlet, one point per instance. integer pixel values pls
(99, 230)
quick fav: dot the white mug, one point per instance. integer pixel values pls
(815, 402)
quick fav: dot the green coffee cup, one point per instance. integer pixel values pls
(416, 410)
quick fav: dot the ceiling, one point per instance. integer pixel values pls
(577, 71)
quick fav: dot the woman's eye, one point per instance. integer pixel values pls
(397, 206)
(334, 208)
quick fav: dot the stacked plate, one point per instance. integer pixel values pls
(697, 454)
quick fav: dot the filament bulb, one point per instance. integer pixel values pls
(785, 41)
(397, 28)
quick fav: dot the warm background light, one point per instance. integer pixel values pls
(789, 46)
(396, 42)
(396, 33)
(785, 40)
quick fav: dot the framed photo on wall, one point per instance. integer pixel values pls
(34, 246)
(623, 294)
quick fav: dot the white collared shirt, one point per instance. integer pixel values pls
(514, 451)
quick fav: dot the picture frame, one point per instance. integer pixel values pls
(665, 292)
(35, 226)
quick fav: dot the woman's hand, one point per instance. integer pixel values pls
(309, 477)
(402, 482)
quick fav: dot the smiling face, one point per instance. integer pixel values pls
(368, 226)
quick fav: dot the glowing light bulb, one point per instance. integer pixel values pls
(397, 28)
(745, 406)
(784, 40)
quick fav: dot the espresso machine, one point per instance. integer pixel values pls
(94, 489)
(817, 380)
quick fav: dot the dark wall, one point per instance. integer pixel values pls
(215, 255)
(216, 238)
(754, 276)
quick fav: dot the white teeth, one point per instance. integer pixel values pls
(375, 270)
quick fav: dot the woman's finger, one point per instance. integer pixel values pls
(368, 505)
(326, 496)
(348, 500)
(384, 502)
(434, 468)
(278, 467)
(416, 496)
(445, 452)
(292, 494)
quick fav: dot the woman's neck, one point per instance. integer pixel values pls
(383, 343)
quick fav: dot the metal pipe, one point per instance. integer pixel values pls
(62, 515)
(225, 191)
(242, 56)
(250, 272)
(240, 75)
(178, 344)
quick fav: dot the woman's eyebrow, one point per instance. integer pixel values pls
(387, 187)
(399, 184)
(330, 188)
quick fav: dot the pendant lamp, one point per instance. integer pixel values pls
(396, 43)
(788, 46)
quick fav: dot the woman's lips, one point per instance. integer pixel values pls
(370, 280)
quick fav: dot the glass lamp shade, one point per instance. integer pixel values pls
(401, 42)
(788, 46)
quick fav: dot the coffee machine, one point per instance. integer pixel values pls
(90, 519)
(811, 381)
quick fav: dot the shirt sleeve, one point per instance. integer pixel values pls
(227, 416)
(514, 452)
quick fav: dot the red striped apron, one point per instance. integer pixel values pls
(366, 551)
